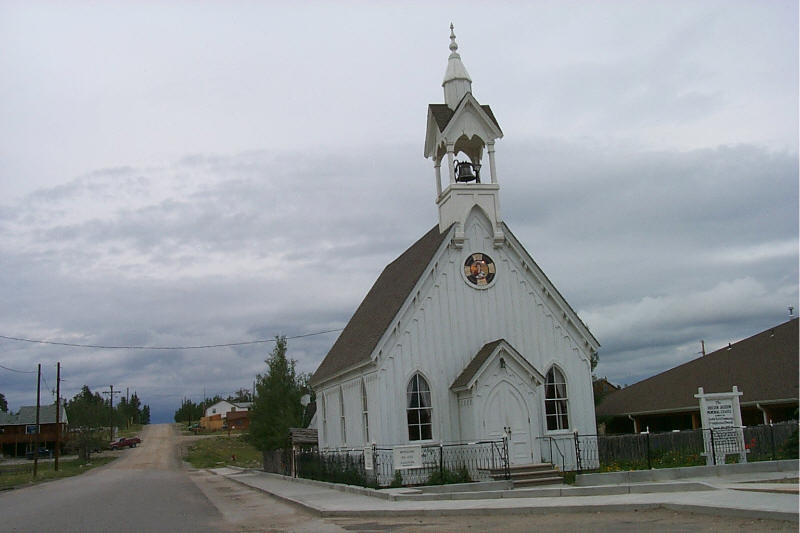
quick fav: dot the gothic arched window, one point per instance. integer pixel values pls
(555, 400)
(418, 409)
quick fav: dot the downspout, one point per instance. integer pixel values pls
(635, 425)
(764, 412)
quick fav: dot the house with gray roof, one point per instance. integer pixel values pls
(462, 337)
(18, 431)
(764, 367)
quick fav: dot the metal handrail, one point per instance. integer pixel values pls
(558, 449)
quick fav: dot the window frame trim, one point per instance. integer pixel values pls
(558, 431)
(406, 409)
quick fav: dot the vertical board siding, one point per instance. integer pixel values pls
(441, 328)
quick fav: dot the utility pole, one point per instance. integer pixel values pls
(36, 450)
(58, 415)
(111, 394)
(703, 347)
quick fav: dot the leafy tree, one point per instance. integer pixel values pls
(3, 403)
(87, 413)
(277, 407)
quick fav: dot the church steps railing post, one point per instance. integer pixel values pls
(441, 463)
(506, 460)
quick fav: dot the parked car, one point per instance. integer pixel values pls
(42, 452)
(123, 442)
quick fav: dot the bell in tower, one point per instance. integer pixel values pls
(462, 130)
(466, 172)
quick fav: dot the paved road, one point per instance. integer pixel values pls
(148, 490)
(145, 490)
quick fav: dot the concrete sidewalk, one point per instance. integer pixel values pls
(736, 496)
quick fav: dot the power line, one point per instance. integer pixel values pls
(104, 347)
(20, 371)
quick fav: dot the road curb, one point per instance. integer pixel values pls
(291, 501)
(500, 511)
(733, 512)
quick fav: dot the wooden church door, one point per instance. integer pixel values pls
(506, 408)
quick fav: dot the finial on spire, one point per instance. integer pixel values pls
(456, 82)
(453, 44)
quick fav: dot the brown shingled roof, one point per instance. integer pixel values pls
(764, 367)
(383, 301)
(475, 365)
(442, 114)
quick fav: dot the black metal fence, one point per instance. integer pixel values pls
(680, 448)
(441, 463)
(446, 463)
(478, 461)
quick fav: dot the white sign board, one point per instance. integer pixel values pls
(720, 413)
(721, 417)
(406, 457)
(368, 464)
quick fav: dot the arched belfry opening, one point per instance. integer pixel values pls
(469, 168)
(460, 133)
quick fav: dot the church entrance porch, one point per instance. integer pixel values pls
(499, 397)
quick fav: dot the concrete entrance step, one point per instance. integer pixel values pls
(530, 475)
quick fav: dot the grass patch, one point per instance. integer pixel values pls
(134, 431)
(22, 474)
(219, 451)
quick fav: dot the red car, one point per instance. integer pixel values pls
(122, 442)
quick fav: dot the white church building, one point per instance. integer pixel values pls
(462, 337)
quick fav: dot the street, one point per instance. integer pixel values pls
(149, 490)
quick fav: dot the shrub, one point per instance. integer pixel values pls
(447, 476)
(397, 482)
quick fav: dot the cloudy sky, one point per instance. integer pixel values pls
(219, 172)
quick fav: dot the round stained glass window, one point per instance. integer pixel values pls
(479, 269)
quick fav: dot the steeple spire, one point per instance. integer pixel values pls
(463, 128)
(456, 82)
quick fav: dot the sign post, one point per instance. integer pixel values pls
(721, 419)
(369, 464)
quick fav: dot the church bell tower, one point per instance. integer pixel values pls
(463, 130)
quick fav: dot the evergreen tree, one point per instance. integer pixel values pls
(277, 407)
(87, 409)
(3, 403)
(188, 411)
(87, 413)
